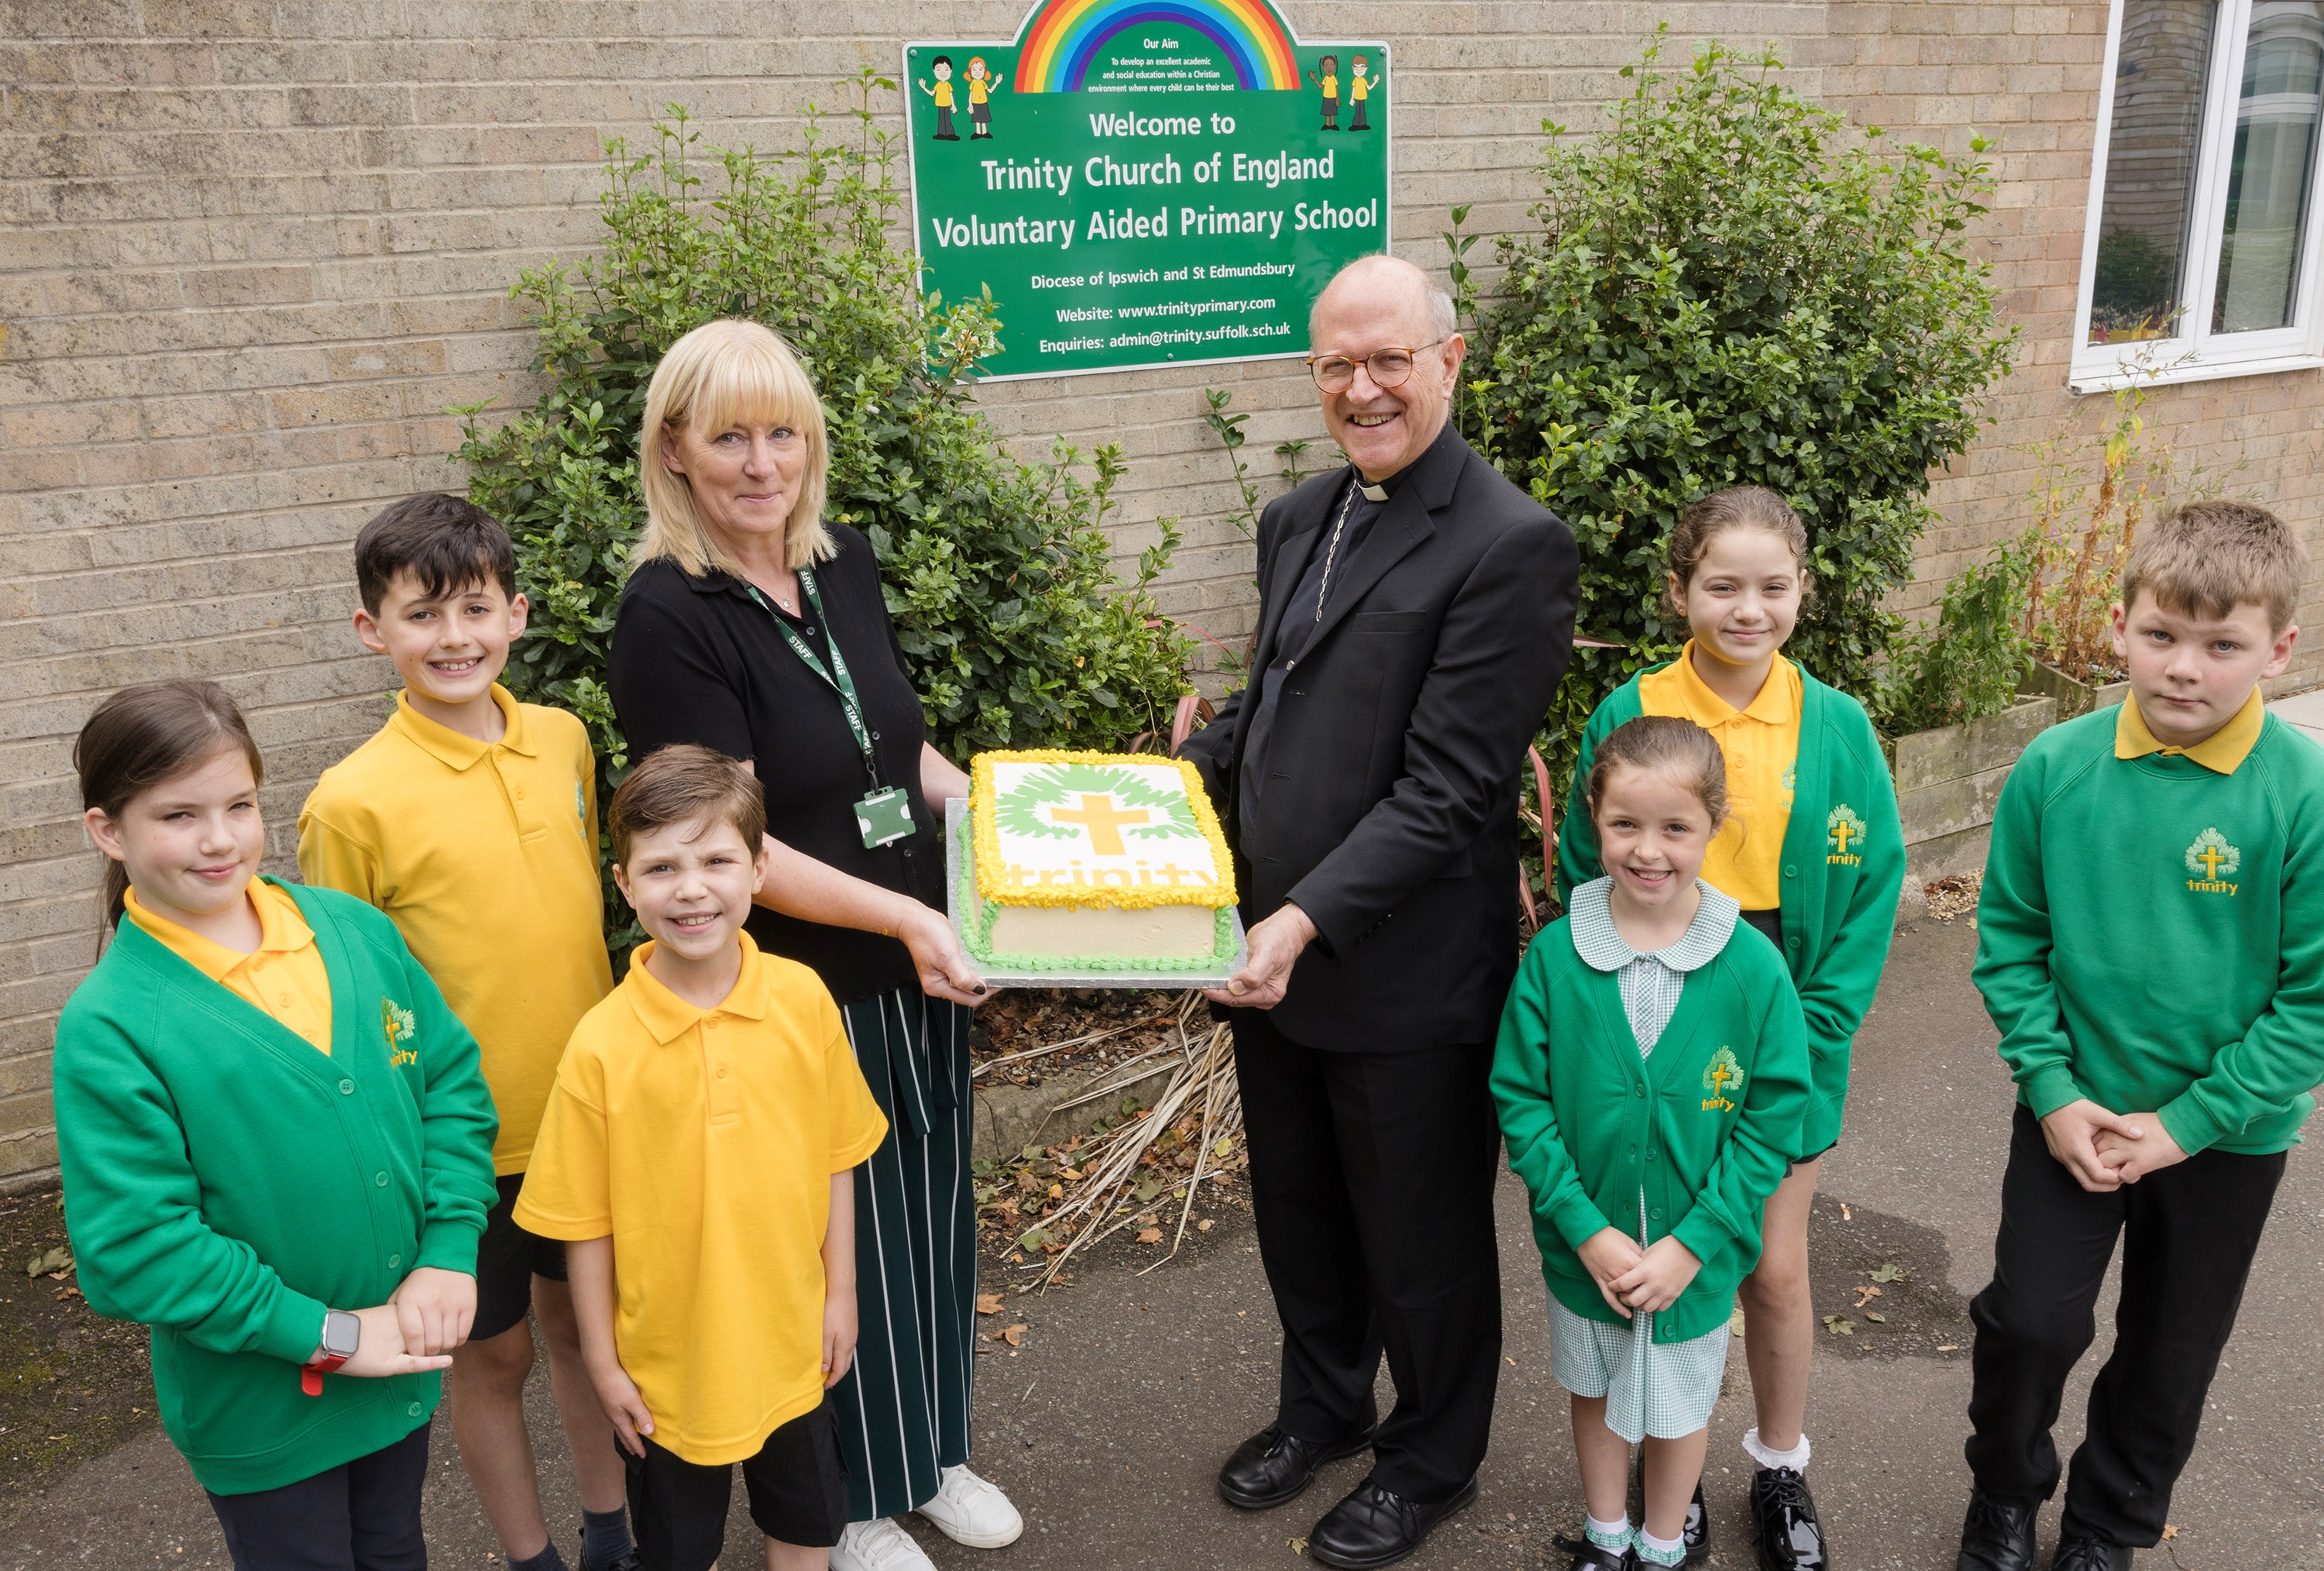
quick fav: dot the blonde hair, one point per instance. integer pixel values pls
(716, 375)
(1668, 744)
(2207, 557)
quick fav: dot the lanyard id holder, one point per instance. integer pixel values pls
(885, 817)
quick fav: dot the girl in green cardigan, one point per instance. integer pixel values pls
(1815, 856)
(276, 1145)
(1652, 1072)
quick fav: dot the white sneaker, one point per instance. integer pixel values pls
(970, 1511)
(878, 1546)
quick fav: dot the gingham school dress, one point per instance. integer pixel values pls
(1663, 1389)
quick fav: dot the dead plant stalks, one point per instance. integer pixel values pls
(1106, 1202)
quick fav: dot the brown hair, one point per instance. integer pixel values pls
(2207, 557)
(682, 782)
(1737, 507)
(1675, 746)
(146, 734)
(447, 543)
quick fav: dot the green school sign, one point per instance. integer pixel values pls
(1145, 183)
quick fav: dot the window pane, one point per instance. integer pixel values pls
(2157, 128)
(2274, 165)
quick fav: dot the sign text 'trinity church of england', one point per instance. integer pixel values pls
(1146, 182)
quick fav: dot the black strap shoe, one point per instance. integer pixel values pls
(1697, 1536)
(2080, 1553)
(628, 1561)
(1272, 1467)
(1791, 1539)
(1998, 1535)
(1378, 1527)
(1590, 1556)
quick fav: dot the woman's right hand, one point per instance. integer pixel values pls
(380, 1351)
(937, 956)
(1605, 1254)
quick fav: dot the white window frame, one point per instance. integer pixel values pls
(2195, 354)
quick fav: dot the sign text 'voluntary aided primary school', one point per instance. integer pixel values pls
(1146, 182)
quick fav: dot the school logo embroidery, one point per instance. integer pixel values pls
(1790, 782)
(1843, 832)
(396, 1024)
(580, 803)
(1721, 1078)
(2213, 862)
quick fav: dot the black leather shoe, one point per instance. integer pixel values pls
(1784, 1512)
(1378, 1527)
(629, 1561)
(1697, 1536)
(1271, 1466)
(2084, 1554)
(1590, 1556)
(1998, 1535)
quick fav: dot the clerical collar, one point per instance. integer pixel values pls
(1371, 492)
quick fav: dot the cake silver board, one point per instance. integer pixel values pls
(960, 854)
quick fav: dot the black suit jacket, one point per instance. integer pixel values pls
(1389, 813)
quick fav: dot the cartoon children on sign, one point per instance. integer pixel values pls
(981, 83)
(1329, 82)
(1360, 87)
(942, 94)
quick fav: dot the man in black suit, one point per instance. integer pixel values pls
(1416, 611)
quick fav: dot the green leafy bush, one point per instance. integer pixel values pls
(1730, 286)
(1014, 625)
(1968, 662)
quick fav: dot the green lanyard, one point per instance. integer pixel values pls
(834, 676)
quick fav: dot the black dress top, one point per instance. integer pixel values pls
(699, 660)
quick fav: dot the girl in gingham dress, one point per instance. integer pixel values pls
(1652, 1072)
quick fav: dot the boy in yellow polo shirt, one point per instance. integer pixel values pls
(701, 1138)
(470, 820)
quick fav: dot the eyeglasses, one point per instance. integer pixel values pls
(1387, 368)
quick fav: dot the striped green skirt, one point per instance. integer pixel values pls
(904, 1407)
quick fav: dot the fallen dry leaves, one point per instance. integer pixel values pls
(988, 1303)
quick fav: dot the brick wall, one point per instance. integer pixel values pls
(250, 250)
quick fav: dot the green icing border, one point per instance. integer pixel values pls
(976, 935)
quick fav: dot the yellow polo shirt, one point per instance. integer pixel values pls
(942, 95)
(485, 856)
(703, 1142)
(977, 92)
(284, 976)
(1762, 745)
(2223, 752)
(1359, 89)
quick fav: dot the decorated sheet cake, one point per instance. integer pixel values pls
(1084, 863)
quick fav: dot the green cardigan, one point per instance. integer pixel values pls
(1839, 906)
(225, 1183)
(1590, 1124)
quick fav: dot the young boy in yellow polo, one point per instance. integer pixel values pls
(2151, 945)
(697, 1156)
(470, 820)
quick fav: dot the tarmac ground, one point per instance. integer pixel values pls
(1107, 1424)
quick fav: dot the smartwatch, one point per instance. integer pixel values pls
(342, 1335)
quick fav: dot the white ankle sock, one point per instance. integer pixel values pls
(1661, 1552)
(1613, 1534)
(1767, 1456)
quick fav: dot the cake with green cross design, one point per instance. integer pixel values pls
(1094, 862)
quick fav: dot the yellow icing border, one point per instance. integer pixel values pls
(987, 837)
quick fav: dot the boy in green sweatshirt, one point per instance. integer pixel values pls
(2151, 945)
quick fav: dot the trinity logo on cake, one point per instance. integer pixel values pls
(2213, 862)
(1098, 826)
(1843, 832)
(1093, 861)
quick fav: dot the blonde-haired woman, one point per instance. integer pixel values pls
(751, 625)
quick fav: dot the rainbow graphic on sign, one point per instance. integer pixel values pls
(1066, 36)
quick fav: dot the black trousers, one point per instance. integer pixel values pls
(2189, 1234)
(360, 1516)
(1372, 1180)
